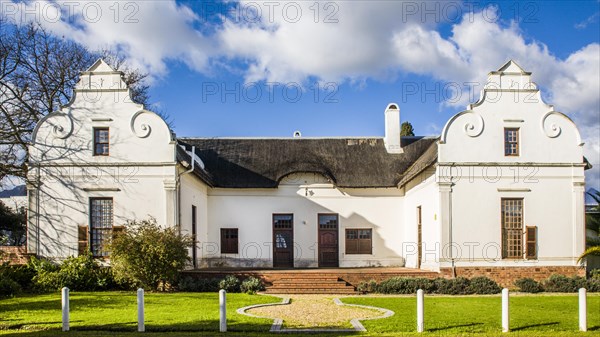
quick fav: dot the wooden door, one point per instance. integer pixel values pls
(419, 237)
(283, 241)
(328, 241)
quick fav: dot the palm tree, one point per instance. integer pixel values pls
(592, 222)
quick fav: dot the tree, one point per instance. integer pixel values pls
(12, 226)
(407, 129)
(149, 256)
(38, 72)
(592, 222)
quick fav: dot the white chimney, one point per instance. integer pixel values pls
(392, 129)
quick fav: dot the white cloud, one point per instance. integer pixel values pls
(590, 20)
(346, 41)
(148, 33)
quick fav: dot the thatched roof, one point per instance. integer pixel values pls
(428, 158)
(347, 162)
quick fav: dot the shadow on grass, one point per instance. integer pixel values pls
(453, 326)
(534, 326)
(45, 304)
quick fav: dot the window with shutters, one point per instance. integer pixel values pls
(512, 228)
(229, 240)
(359, 241)
(101, 142)
(83, 240)
(531, 242)
(101, 225)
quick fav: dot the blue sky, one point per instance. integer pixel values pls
(348, 58)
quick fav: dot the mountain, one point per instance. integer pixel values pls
(588, 198)
(17, 191)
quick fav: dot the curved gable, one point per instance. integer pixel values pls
(510, 101)
(102, 100)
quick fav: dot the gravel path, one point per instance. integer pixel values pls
(311, 311)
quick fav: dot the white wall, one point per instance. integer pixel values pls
(547, 174)
(14, 202)
(193, 192)
(304, 195)
(139, 174)
(422, 191)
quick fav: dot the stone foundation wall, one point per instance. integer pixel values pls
(506, 276)
(13, 254)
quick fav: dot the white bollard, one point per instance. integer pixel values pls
(65, 309)
(582, 309)
(140, 303)
(222, 311)
(420, 310)
(505, 311)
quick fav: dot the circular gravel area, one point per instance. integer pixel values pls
(314, 311)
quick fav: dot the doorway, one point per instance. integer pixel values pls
(283, 240)
(328, 241)
(419, 237)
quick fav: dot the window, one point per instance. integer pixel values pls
(328, 221)
(101, 225)
(511, 142)
(358, 241)
(229, 240)
(283, 226)
(101, 143)
(512, 228)
(194, 230)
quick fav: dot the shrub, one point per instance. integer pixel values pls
(528, 285)
(403, 285)
(595, 274)
(191, 284)
(593, 285)
(562, 284)
(367, 286)
(395, 285)
(457, 286)
(252, 285)
(8, 287)
(149, 256)
(230, 284)
(77, 273)
(21, 274)
(483, 285)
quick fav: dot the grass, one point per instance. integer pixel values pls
(544, 315)
(196, 314)
(117, 312)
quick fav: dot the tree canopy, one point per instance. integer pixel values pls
(38, 72)
(407, 129)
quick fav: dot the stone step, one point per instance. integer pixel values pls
(304, 280)
(305, 276)
(312, 291)
(309, 286)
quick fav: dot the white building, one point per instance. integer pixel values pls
(499, 192)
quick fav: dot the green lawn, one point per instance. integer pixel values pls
(196, 314)
(117, 312)
(551, 315)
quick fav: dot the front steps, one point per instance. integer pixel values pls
(310, 284)
(335, 281)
